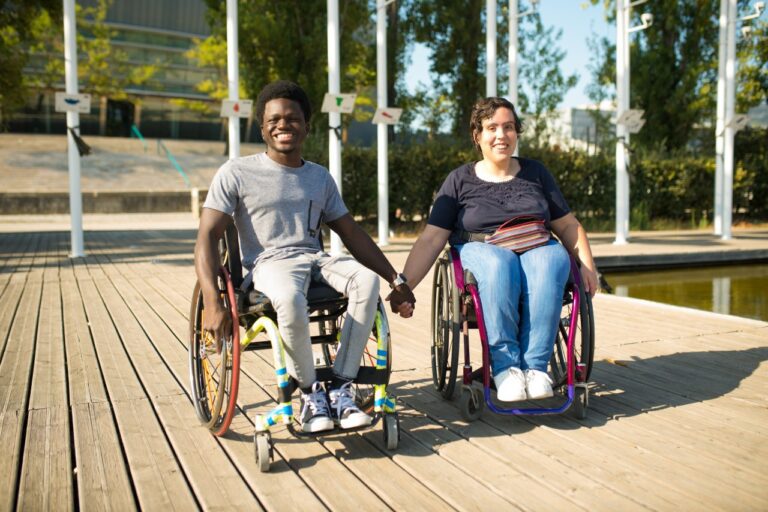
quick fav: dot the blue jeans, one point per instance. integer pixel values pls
(521, 296)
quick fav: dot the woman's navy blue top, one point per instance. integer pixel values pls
(465, 202)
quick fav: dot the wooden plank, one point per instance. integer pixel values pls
(154, 470)
(214, 480)
(84, 376)
(161, 386)
(15, 373)
(102, 478)
(47, 468)
(492, 436)
(47, 475)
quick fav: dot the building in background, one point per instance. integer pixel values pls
(149, 32)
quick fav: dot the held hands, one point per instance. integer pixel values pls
(402, 300)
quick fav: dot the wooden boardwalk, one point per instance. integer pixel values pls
(95, 410)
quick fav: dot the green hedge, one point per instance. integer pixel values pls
(676, 189)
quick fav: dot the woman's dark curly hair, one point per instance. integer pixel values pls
(484, 109)
(284, 89)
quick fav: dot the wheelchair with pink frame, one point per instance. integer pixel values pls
(456, 308)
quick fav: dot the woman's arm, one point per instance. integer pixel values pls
(574, 238)
(424, 253)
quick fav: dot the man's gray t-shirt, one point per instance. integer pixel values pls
(277, 210)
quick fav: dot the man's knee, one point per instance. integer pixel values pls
(365, 284)
(290, 303)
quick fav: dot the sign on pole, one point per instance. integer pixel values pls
(739, 122)
(632, 119)
(342, 103)
(387, 115)
(80, 103)
(236, 108)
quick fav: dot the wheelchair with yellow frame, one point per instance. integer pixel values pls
(214, 369)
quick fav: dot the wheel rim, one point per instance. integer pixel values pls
(214, 373)
(440, 326)
(583, 344)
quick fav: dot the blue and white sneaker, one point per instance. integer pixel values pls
(315, 415)
(344, 410)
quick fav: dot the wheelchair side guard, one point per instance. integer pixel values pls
(382, 401)
(283, 412)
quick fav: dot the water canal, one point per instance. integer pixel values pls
(732, 290)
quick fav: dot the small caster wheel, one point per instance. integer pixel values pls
(580, 403)
(263, 444)
(391, 431)
(471, 403)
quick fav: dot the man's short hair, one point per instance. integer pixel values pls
(282, 89)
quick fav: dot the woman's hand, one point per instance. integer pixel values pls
(590, 280)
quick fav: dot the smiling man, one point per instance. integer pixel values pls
(278, 202)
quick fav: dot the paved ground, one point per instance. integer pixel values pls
(38, 163)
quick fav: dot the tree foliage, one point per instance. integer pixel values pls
(674, 69)
(288, 40)
(454, 32)
(542, 84)
(17, 25)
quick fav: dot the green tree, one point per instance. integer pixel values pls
(288, 40)
(105, 70)
(674, 69)
(543, 85)
(453, 31)
(17, 20)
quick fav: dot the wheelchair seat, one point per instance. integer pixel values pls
(320, 296)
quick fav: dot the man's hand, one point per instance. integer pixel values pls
(402, 300)
(218, 323)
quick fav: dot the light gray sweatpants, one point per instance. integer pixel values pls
(286, 281)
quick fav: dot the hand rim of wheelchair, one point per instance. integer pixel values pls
(214, 388)
(445, 341)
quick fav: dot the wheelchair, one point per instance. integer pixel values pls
(214, 369)
(456, 309)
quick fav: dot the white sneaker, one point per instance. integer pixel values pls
(510, 385)
(344, 409)
(315, 415)
(538, 384)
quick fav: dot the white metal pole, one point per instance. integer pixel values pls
(490, 48)
(720, 124)
(383, 142)
(334, 118)
(730, 108)
(233, 77)
(512, 53)
(622, 134)
(73, 121)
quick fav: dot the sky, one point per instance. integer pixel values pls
(577, 23)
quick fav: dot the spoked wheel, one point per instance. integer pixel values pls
(214, 368)
(391, 431)
(263, 445)
(364, 393)
(445, 330)
(584, 342)
(579, 404)
(471, 403)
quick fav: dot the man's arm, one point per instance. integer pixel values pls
(365, 250)
(213, 223)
